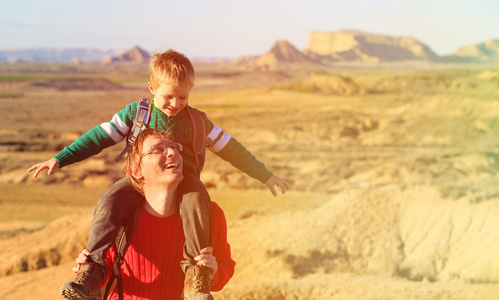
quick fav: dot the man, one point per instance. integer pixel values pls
(151, 265)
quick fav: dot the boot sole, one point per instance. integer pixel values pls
(68, 292)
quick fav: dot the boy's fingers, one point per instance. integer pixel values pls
(284, 186)
(272, 190)
(38, 170)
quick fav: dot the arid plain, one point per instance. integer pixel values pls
(394, 177)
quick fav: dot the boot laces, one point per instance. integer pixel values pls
(201, 283)
(82, 277)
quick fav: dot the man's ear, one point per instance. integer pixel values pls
(136, 173)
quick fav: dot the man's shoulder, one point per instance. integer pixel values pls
(216, 211)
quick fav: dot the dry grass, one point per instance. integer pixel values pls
(413, 162)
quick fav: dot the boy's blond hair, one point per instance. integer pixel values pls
(172, 68)
(133, 160)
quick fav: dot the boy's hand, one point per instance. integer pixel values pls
(275, 180)
(51, 164)
(81, 259)
(207, 259)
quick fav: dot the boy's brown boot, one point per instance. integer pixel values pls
(197, 283)
(86, 285)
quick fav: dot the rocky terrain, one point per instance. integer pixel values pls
(394, 176)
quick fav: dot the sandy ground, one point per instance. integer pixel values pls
(394, 178)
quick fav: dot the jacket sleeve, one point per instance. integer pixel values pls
(98, 138)
(232, 151)
(221, 248)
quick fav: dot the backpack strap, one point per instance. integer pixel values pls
(142, 118)
(199, 137)
(121, 245)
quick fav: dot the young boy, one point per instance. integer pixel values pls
(171, 80)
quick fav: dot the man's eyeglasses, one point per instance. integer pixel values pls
(162, 149)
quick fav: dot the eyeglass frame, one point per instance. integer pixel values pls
(175, 146)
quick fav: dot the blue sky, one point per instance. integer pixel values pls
(232, 28)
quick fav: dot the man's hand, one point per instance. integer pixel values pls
(81, 259)
(51, 164)
(275, 180)
(207, 259)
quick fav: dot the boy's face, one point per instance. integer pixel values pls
(170, 99)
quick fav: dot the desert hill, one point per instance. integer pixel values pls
(326, 48)
(366, 232)
(351, 45)
(487, 50)
(323, 48)
(281, 51)
(136, 54)
(281, 54)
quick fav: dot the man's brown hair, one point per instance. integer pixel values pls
(132, 161)
(172, 68)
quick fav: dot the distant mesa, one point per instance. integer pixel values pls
(136, 54)
(487, 50)
(353, 45)
(326, 48)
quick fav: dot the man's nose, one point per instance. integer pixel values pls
(170, 152)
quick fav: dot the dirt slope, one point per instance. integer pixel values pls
(379, 238)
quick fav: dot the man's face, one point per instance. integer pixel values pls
(160, 168)
(171, 99)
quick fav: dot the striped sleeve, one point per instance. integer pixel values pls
(216, 140)
(116, 129)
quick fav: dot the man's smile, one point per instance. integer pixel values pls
(172, 165)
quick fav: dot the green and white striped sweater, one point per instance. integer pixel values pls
(109, 133)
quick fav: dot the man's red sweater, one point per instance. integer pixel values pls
(151, 267)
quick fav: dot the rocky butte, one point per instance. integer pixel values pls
(136, 54)
(353, 45)
(281, 54)
(486, 51)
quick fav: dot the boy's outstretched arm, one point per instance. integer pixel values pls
(51, 164)
(275, 180)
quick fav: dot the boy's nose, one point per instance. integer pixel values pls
(173, 102)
